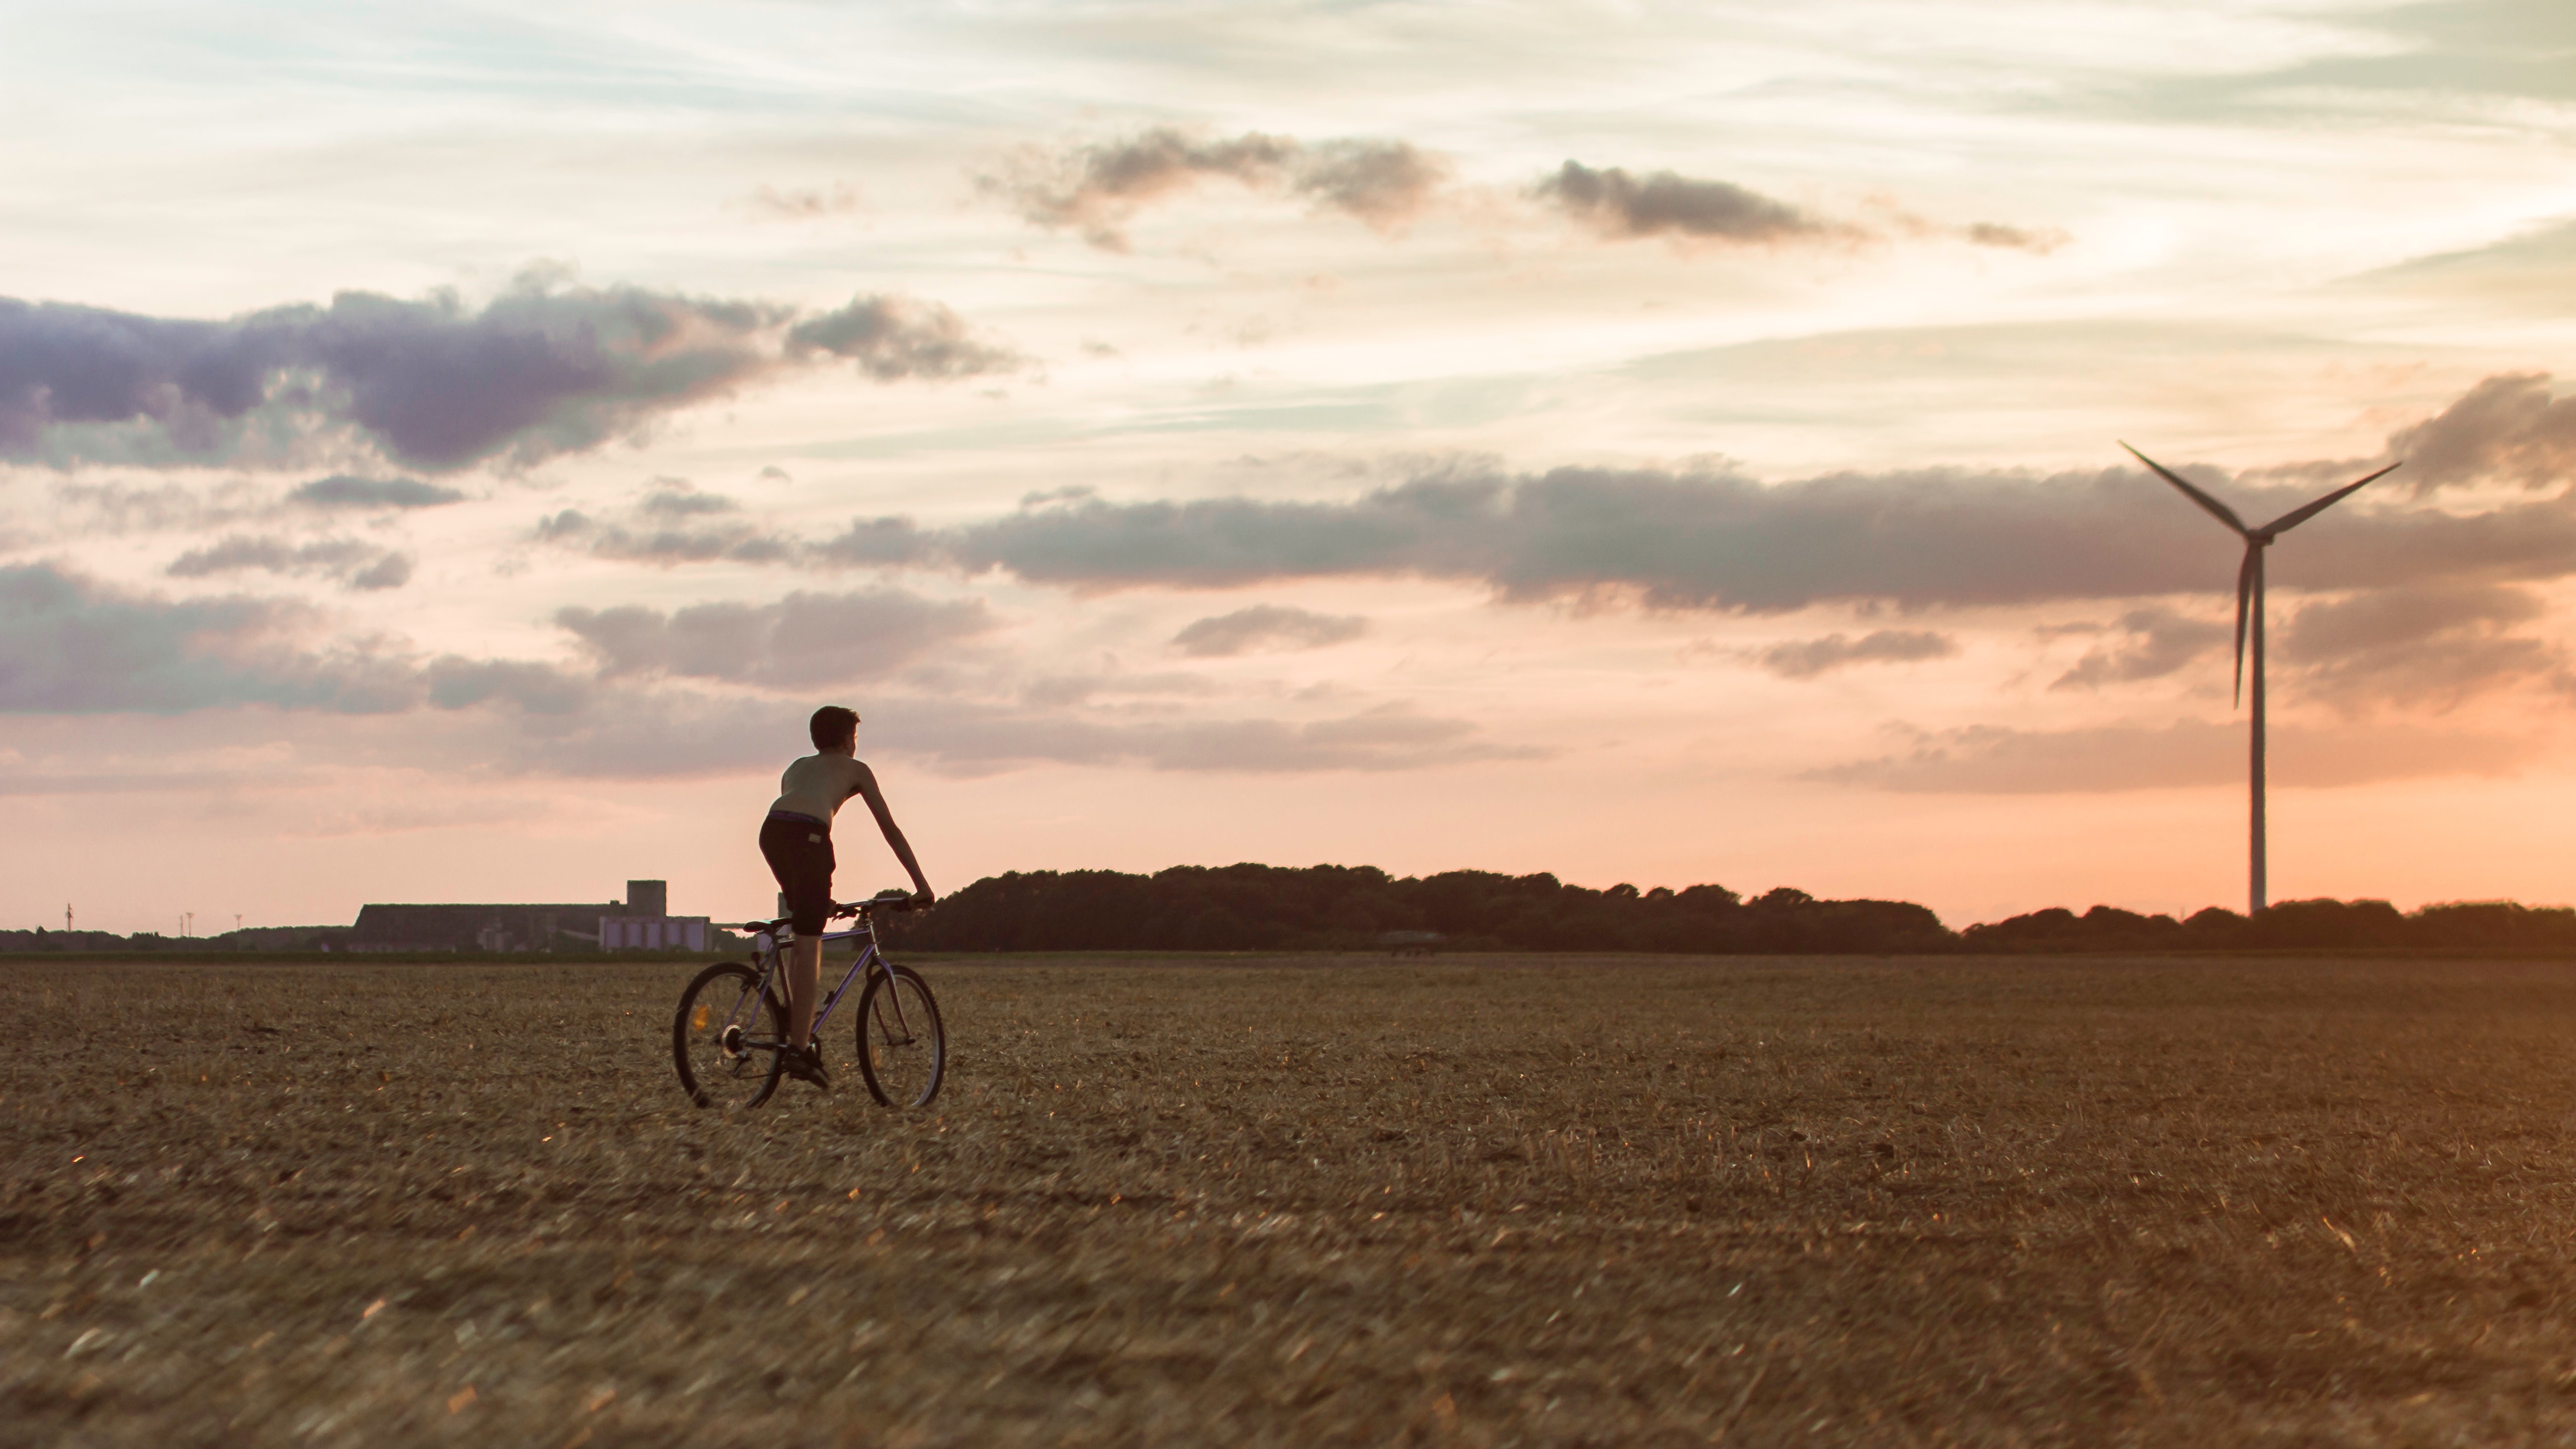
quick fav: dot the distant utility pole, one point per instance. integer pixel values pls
(67, 915)
(236, 920)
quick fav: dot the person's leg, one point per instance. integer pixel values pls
(800, 855)
(804, 985)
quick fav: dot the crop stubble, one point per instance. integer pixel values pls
(1285, 1200)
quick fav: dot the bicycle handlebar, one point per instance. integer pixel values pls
(885, 900)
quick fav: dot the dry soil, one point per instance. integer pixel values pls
(1304, 1200)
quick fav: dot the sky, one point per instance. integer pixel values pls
(447, 450)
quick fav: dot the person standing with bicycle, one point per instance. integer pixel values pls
(796, 840)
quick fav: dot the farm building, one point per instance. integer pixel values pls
(640, 922)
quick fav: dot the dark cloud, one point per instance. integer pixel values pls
(899, 337)
(873, 542)
(2427, 647)
(343, 491)
(1095, 189)
(70, 645)
(1266, 627)
(432, 383)
(359, 565)
(1620, 205)
(454, 682)
(391, 571)
(1715, 540)
(803, 638)
(1719, 541)
(2507, 429)
(1807, 658)
(1383, 183)
(1994, 760)
(2151, 644)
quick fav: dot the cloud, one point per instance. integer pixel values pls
(1622, 207)
(114, 509)
(1383, 183)
(431, 383)
(2421, 646)
(1720, 541)
(361, 566)
(1266, 627)
(805, 203)
(1807, 658)
(803, 638)
(1096, 189)
(70, 645)
(671, 523)
(1617, 204)
(2041, 240)
(391, 571)
(898, 337)
(454, 682)
(2432, 646)
(343, 491)
(875, 542)
(2507, 429)
(1994, 760)
(1690, 540)
(2154, 643)
(971, 738)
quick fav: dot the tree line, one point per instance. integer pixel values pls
(1348, 908)
(1358, 908)
(1362, 908)
(2287, 925)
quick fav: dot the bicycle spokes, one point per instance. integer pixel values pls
(727, 1057)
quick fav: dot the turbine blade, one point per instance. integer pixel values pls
(2244, 599)
(2217, 510)
(2297, 516)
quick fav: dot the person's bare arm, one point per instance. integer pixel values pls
(893, 833)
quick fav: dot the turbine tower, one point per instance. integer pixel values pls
(2249, 607)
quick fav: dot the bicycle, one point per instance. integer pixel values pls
(732, 1025)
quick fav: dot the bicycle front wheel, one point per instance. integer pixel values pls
(725, 1038)
(902, 1051)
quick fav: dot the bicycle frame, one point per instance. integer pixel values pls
(767, 946)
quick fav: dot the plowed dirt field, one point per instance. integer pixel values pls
(1304, 1201)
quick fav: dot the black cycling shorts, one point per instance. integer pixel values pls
(799, 853)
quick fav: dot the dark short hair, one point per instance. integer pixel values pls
(831, 725)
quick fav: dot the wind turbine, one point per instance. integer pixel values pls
(2249, 606)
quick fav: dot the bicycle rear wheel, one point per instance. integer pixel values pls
(725, 1038)
(903, 1053)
